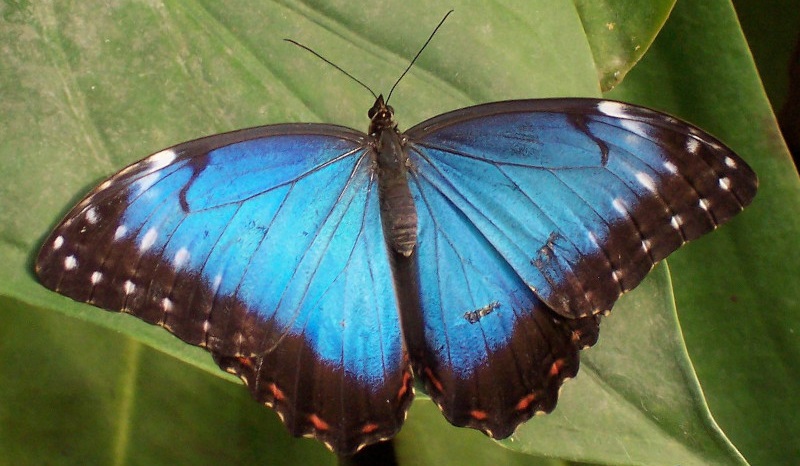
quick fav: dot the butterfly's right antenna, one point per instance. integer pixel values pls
(417, 55)
(332, 64)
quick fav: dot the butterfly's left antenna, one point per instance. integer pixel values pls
(417, 55)
(333, 65)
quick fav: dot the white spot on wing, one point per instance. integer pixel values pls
(161, 159)
(154, 163)
(676, 221)
(619, 206)
(612, 109)
(730, 162)
(645, 180)
(128, 287)
(616, 275)
(91, 215)
(166, 304)
(725, 183)
(58, 242)
(181, 257)
(148, 240)
(70, 263)
(646, 245)
(671, 167)
(120, 232)
(96, 277)
(105, 185)
(621, 111)
(703, 204)
(692, 145)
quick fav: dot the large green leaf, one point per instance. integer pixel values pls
(736, 290)
(620, 32)
(91, 86)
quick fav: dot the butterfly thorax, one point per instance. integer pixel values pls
(398, 214)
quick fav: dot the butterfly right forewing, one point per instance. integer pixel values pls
(581, 196)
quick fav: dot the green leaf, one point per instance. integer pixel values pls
(736, 290)
(89, 87)
(620, 32)
(75, 393)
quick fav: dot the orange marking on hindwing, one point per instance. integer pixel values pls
(555, 369)
(405, 384)
(369, 428)
(276, 392)
(526, 402)
(478, 414)
(319, 424)
(436, 384)
(246, 362)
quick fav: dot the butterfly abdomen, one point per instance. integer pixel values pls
(398, 214)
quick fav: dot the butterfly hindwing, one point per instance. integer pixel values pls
(490, 353)
(283, 276)
(580, 196)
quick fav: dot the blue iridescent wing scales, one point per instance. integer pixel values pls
(490, 353)
(283, 276)
(534, 217)
(582, 197)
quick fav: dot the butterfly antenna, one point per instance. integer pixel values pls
(417, 55)
(333, 65)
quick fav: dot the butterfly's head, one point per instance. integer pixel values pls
(381, 116)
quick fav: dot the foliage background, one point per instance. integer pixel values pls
(88, 87)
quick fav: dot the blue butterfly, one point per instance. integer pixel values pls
(327, 267)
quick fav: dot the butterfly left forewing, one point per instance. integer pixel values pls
(264, 246)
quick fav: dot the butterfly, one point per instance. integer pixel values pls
(328, 268)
